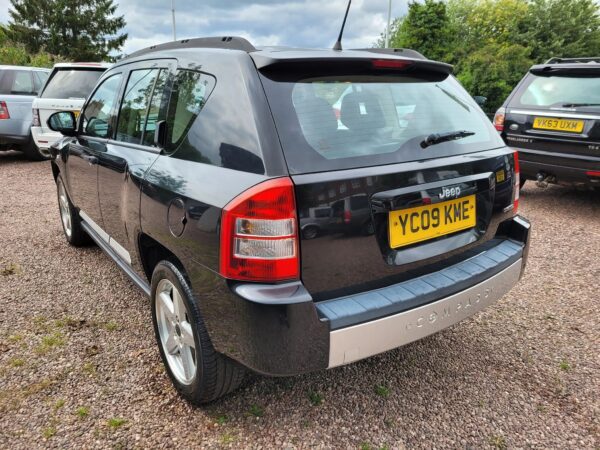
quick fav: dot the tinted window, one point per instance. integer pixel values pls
(71, 83)
(98, 115)
(156, 110)
(39, 79)
(132, 117)
(344, 122)
(559, 91)
(190, 92)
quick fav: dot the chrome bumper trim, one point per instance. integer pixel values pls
(356, 342)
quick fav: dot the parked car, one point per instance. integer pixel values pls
(190, 161)
(314, 221)
(18, 87)
(67, 87)
(553, 119)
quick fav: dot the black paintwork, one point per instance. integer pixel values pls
(563, 157)
(153, 203)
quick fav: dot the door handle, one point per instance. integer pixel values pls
(90, 159)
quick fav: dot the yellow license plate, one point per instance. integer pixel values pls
(549, 123)
(408, 226)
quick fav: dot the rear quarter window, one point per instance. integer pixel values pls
(17, 82)
(71, 83)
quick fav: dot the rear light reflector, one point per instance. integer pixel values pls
(35, 121)
(259, 234)
(517, 181)
(593, 173)
(4, 111)
(499, 119)
(390, 64)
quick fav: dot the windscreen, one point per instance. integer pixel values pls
(339, 122)
(71, 83)
(559, 92)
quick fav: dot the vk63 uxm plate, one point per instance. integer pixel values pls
(550, 123)
(421, 223)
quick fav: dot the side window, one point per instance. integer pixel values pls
(132, 117)
(156, 111)
(98, 113)
(39, 79)
(190, 92)
(23, 83)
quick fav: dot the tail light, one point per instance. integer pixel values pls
(35, 121)
(4, 111)
(390, 64)
(347, 216)
(517, 181)
(593, 173)
(259, 234)
(499, 119)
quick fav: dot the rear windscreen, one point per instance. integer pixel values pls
(339, 122)
(71, 83)
(17, 82)
(559, 92)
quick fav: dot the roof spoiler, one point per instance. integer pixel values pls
(565, 69)
(358, 63)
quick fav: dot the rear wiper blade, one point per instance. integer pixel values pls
(436, 138)
(575, 105)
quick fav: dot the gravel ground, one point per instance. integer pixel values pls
(79, 366)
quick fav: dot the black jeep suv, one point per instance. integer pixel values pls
(191, 161)
(553, 119)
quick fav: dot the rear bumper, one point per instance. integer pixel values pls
(564, 168)
(280, 330)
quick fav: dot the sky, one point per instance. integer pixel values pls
(302, 23)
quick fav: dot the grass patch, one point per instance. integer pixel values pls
(382, 390)
(256, 411)
(315, 398)
(222, 419)
(111, 326)
(14, 338)
(564, 365)
(59, 404)
(227, 438)
(89, 368)
(498, 442)
(16, 362)
(48, 432)
(82, 412)
(11, 269)
(49, 342)
(116, 422)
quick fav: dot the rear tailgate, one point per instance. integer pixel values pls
(354, 135)
(407, 202)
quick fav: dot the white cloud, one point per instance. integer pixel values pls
(300, 23)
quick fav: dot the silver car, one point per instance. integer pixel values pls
(18, 87)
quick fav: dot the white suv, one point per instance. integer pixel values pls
(67, 87)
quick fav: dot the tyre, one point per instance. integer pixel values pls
(197, 371)
(310, 232)
(368, 228)
(32, 152)
(71, 222)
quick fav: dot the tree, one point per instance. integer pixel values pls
(79, 30)
(425, 28)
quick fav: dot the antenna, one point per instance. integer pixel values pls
(338, 43)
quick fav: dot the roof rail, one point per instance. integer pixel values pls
(394, 51)
(224, 42)
(573, 60)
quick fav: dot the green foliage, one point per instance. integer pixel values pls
(79, 30)
(492, 43)
(426, 29)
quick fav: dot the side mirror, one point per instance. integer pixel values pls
(64, 122)
(480, 100)
(160, 134)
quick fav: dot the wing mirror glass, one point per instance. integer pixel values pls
(64, 122)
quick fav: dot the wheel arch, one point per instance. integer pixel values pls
(152, 252)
